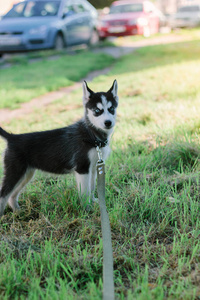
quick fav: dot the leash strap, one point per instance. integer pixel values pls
(108, 280)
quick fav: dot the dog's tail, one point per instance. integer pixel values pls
(4, 134)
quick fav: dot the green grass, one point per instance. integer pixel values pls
(22, 82)
(53, 248)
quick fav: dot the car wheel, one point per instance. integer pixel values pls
(146, 31)
(94, 38)
(59, 43)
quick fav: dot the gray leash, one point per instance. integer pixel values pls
(108, 280)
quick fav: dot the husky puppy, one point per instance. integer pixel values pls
(63, 150)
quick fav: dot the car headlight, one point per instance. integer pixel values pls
(42, 30)
(142, 21)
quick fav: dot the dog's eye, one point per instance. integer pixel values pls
(111, 110)
(97, 111)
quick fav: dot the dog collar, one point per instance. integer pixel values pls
(97, 143)
(101, 144)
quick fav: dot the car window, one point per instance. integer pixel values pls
(79, 8)
(192, 8)
(68, 10)
(136, 7)
(73, 9)
(34, 9)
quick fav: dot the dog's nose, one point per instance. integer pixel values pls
(108, 123)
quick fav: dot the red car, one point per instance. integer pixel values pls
(129, 17)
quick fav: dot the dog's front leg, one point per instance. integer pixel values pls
(84, 187)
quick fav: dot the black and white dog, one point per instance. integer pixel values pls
(62, 150)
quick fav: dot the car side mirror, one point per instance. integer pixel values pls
(64, 15)
(68, 14)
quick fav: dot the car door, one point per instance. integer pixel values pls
(76, 19)
(83, 26)
(69, 23)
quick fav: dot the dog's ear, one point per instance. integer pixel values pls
(114, 89)
(87, 93)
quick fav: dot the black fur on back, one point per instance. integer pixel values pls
(57, 151)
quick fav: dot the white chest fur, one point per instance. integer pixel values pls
(86, 182)
(93, 156)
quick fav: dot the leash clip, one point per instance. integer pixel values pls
(99, 153)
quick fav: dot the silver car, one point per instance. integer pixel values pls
(45, 24)
(186, 16)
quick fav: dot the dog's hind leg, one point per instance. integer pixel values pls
(13, 176)
(3, 202)
(13, 199)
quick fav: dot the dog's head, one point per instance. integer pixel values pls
(100, 108)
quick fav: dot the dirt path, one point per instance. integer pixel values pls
(6, 115)
(127, 46)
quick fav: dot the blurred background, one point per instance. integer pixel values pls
(58, 24)
(41, 24)
(166, 6)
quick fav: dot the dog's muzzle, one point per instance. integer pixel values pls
(108, 124)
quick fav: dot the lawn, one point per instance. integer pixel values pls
(24, 81)
(53, 248)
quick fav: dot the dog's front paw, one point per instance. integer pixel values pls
(89, 207)
(95, 200)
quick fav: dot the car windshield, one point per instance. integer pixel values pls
(192, 8)
(125, 8)
(34, 9)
